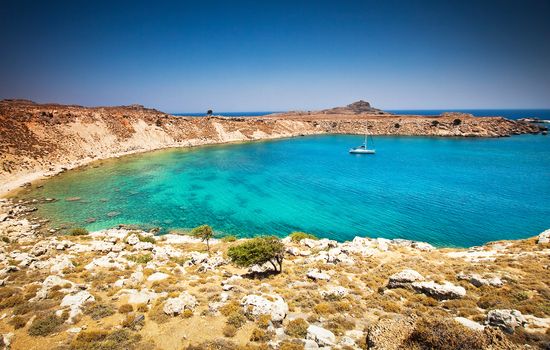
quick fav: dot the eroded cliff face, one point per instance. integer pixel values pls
(38, 139)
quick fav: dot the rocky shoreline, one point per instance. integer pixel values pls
(41, 140)
(166, 292)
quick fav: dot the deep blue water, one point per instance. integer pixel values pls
(446, 191)
(507, 113)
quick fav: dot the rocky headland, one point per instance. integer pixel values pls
(124, 288)
(38, 140)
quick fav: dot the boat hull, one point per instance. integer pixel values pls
(362, 151)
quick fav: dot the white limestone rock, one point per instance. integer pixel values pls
(334, 292)
(473, 325)
(175, 306)
(505, 319)
(438, 291)
(403, 279)
(75, 302)
(544, 237)
(479, 281)
(265, 304)
(316, 274)
(157, 276)
(322, 336)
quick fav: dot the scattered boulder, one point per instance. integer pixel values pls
(316, 274)
(175, 306)
(157, 276)
(321, 336)
(544, 237)
(404, 279)
(75, 302)
(438, 291)
(479, 281)
(473, 325)
(506, 319)
(334, 292)
(267, 304)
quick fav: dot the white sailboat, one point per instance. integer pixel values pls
(364, 148)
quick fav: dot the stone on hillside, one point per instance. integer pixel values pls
(473, 325)
(334, 292)
(75, 302)
(108, 261)
(143, 296)
(423, 246)
(505, 319)
(479, 281)
(322, 336)
(144, 246)
(133, 239)
(273, 305)
(49, 283)
(61, 264)
(101, 246)
(310, 344)
(157, 276)
(135, 278)
(544, 237)
(175, 306)
(317, 274)
(404, 278)
(438, 291)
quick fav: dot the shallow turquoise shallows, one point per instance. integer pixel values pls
(446, 191)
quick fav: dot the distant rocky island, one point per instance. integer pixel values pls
(359, 107)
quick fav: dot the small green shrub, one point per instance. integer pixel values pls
(297, 328)
(18, 321)
(236, 319)
(204, 233)
(42, 326)
(229, 239)
(229, 331)
(457, 122)
(149, 239)
(78, 231)
(125, 308)
(260, 335)
(98, 311)
(298, 236)
(445, 334)
(258, 251)
(140, 258)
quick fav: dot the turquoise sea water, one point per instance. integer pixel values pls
(446, 191)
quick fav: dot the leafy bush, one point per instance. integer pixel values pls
(79, 231)
(396, 125)
(229, 331)
(457, 122)
(258, 251)
(42, 326)
(104, 340)
(288, 345)
(149, 239)
(445, 334)
(237, 319)
(18, 321)
(204, 233)
(297, 328)
(98, 311)
(229, 239)
(435, 123)
(125, 308)
(260, 335)
(298, 236)
(140, 258)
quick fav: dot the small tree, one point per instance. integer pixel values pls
(209, 112)
(205, 233)
(258, 251)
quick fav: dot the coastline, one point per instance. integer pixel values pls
(40, 141)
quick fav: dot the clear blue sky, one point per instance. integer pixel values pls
(279, 55)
